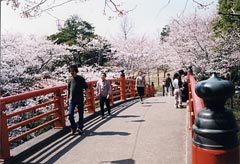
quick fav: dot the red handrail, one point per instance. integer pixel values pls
(122, 89)
(195, 102)
(57, 110)
(27, 95)
(207, 154)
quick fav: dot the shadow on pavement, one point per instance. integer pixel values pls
(124, 161)
(58, 144)
(107, 133)
(154, 102)
(138, 121)
(125, 116)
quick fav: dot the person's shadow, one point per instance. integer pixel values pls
(50, 148)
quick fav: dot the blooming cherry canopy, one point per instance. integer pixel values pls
(191, 41)
(27, 58)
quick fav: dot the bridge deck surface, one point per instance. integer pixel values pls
(150, 133)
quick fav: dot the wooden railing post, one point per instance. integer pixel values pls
(190, 103)
(111, 96)
(4, 142)
(60, 113)
(132, 88)
(122, 88)
(215, 139)
(147, 90)
(127, 88)
(152, 90)
(90, 98)
(195, 102)
(191, 113)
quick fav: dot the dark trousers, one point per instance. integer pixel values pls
(140, 91)
(104, 100)
(167, 90)
(79, 106)
(163, 87)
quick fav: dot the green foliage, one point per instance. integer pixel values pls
(165, 32)
(73, 28)
(229, 18)
(235, 75)
(87, 48)
(234, 105)
(93, 54)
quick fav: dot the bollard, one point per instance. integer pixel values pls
(215, 129)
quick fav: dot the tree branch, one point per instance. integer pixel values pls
(115, 8)
(33, 8)
(231, 14)
(201, 4)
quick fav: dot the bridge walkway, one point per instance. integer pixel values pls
(150, 133)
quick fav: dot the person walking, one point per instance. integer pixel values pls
(163, 86)
(184, 87)
(168, 85)
(104, 91)
(177, 91)
(76, 87)
(140, 84)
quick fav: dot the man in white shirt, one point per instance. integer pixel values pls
(177, 91)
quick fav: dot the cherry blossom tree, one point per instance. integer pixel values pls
(190, 41)
(192, 38)
(33, 8)
(126, 27)
(138, 53)
(26, 59)
(228, 52)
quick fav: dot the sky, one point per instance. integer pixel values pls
(147, 17)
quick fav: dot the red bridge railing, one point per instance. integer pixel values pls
(195, 102)
(214, 130)
(53, 109)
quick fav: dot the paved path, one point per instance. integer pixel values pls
(150, 133)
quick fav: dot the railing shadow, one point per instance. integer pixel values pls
(62, 141)
(138, 121)
(154, 102)
(106, 133)
(124, 161)
(126, 116)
